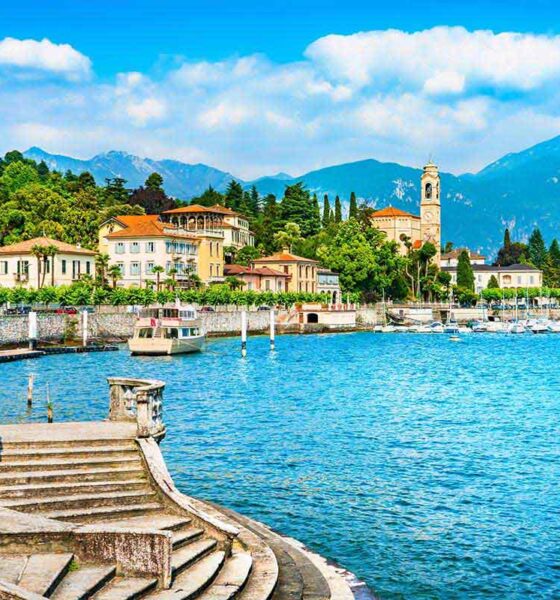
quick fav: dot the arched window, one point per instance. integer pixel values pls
(428, 190)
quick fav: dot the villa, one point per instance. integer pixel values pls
(302, 272)
(512, 276)
(328, 283)
(261, 279)
(61, 263)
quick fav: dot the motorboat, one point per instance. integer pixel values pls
(433, 327)
(516, 327)
(170, 329)
(540, 326)
(451, 327)
(479, 327)
(554, 326)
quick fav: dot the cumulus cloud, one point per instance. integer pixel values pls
(44, 56)
(465, 97)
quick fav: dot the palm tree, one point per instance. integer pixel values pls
(173, 272)
(114, 272)
(158, 270)
(50, 252)
(38, 251)
(101, 265)
(234, 283)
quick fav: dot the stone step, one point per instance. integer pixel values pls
(43, 572)
(87, 515)
(126, 588)
(231, 579)
(154, 520)
(187, 555)
(83, 582)
(77, 451)
(48, 503)
(87, 474)
(71, 487)
(69, 464)
(73, 440)
(11, 567)
(194, 580)
(185, 536)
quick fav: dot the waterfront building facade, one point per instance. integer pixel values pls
(409, 230)
(328, 283)
(233, 226)
(302, 272)
(261, 279)
(137, 244)
(451, 259)
(62, 263)
(512, 276)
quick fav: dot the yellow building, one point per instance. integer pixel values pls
(403, 227)
(137, 244)
(302, 271)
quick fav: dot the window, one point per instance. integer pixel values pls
(211, 270)
(135, 268)
(267, 285)
(23, 267)
(119, 248)
(149, 267)
(121, 267)
(63, 266)
(3, 267)
(135, 247)
(145, 333)
(428, 189)
(211, 249)
(531, 279)
(76, 269)
(519, 279)
(88, 267)
(150, 246)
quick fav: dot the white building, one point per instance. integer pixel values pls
(451, 259)
(328, 283)
(60, 264)
(513, 276)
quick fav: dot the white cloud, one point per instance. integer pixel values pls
(390, 95)
(44, 56)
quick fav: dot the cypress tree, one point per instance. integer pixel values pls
(234, 195)
(537, 249)
(255, 201)
(326, 211)
(316, 213)
(465, 274)
(337, 210)
(554, 253)
(493, 283)
(353, 209)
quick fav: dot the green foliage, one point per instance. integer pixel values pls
(353, 208)
(246, 255)
(286, 238)
(154, 182)
(209, 197)
(337, 210)
(537, 252)
(493, 283)
(511, 253)
(297, 207)
(326, 221)
(465, 275)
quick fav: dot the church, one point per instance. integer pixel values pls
(403, 227)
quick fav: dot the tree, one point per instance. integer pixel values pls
(297, 207)
(353, 208)
(158, 270)
(448, 247)
(210, 197)
(493, 283)
(101, 266)
(246, 255)
(234, 283)
(114, 272)
(115, 192)
(337, 210)
(465, 274)
(537, 250)
(234, 195)
(154, 182)
(326, 211)
(286, 238)
(254, 201)
(153, 200)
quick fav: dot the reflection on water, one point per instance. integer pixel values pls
(428, 468)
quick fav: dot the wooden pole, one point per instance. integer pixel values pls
(49, 407)
(30, 390)
(84, 327)
(243, 333)
(272, 333)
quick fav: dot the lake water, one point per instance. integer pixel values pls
(430, 469)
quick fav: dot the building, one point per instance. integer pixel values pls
(233, 226)
(512, 276)
(19, 266)
(328, 283)
(261, 279)
(405, 228)
(302, 271)
(451, 259)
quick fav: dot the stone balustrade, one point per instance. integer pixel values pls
(139, 401)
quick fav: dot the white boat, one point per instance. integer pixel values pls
(172, 329)
(540, 326)
(433, 327)
(554, 327)
(479, 327)
(516, 327)
(451, 327)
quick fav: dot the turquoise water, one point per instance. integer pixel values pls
(430, 469)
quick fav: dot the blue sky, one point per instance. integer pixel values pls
(259, 87)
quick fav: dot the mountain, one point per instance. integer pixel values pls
(182, 180)
(519, 191)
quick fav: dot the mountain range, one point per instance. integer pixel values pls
(519, 191)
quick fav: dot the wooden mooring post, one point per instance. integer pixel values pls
(272, 332)
(30, 390)
(243, 333)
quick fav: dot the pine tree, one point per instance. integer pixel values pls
(316, 212)
(493, 283)
(537, 249)
(337, 210)
(353, 209)
(234, 195)
(465, 274)
(554, 253)
(297, 207)
(326, 211)
(255, 201)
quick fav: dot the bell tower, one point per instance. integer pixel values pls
(430, 208)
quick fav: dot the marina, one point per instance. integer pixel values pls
(439, 458)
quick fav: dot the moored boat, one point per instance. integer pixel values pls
(171, 329)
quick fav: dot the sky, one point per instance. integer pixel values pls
(255, 88)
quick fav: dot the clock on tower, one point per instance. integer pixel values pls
(430, 208)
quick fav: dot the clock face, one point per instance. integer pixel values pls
(428, 216)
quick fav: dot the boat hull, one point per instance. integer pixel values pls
(165, 346)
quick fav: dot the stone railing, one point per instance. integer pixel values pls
(139, 401)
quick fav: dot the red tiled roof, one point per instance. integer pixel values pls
(198, 208)
(146, 226)
(455, 254)
(26, 247)
(260, 272)
(282, 257)
(391, 211)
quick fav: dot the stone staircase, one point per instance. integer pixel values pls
(88, 510)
